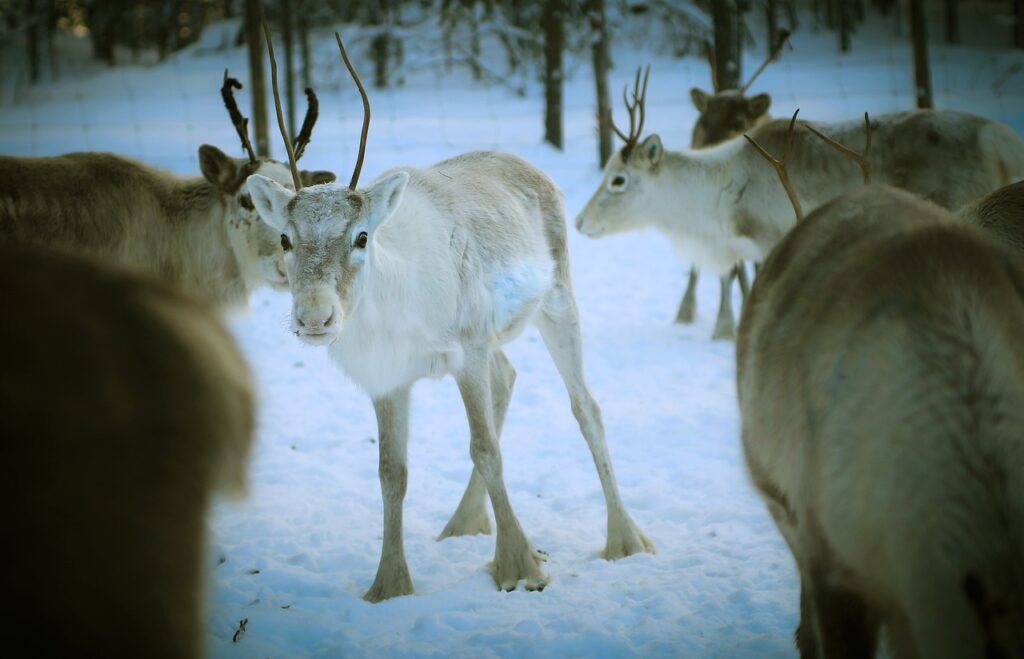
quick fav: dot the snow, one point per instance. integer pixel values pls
(295, 556)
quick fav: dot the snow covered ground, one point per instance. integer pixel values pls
(296, 556)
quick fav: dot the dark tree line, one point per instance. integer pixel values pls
(399, 36)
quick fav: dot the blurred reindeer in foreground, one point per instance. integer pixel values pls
(880, 372)
(124, 407)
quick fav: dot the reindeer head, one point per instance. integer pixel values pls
(327, 231)
(329, 235)
(728, 113)
(618, 203)
(257, 245)
(725, 115)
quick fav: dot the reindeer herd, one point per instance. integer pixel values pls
(880, 367)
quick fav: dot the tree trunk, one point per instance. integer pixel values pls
(380, 46)
(919, 37)
(845, 15)
(952, 27)
(289, 64)
(303, 29)
(257, 87)
(474, 43)
(725, 16)
(32, 40)
(52, 16)
(1018, 29)
(553, 26)
(138, 29)
(102, 20)
(600, 57)
(771, 19)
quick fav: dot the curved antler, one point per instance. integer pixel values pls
(306, 132)
(783, 37)
(639, 99)
(862, 159)
(241, 123)
(292, 164)
(780, 166)
(366, 113)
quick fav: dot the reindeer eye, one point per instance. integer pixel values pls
(618, 183)
(361, 240)
(286, 244)
(246, 202)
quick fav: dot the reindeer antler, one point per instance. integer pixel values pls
(860, 158)
(366, 113)
(783, 36)
(780, 166)
(639, 98)
(292, 163)
(241, 123)
(306, 132)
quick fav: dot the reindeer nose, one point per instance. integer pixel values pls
(317, 323)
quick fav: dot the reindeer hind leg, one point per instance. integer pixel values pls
(559, 325)
(470, 518)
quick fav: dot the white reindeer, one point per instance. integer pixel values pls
(125, 406)
(428, 272)
(200, 232)
(880, 371)
(723, 115)
(721, 205)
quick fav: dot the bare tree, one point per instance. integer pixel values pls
(1018, 30)
(725, 16)
(289, 62)
(553, 25)
(257, 87)
(919, 37)
(601, 59)
(952, 20)
(845, 15)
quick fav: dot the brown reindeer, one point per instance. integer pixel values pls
(880, 373)
(200, 232)
(1000, 213)
(124, 407)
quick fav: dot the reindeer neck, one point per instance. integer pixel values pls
(204, 260)
(698, 186)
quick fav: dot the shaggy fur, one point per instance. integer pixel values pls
(192, 231)
(428, 272)
(124, 406)
(1001, 214)
(880, 372)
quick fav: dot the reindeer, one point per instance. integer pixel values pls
(428, 272)
(720, 205)
(125, 406)
(879, 374)
(880, 400)
(723, 115)
(201, 233)
(1001, 214)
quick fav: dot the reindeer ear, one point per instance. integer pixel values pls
(383, 198)
(270, 199)
(217, 167)
(758, 105)
(651, 150)
(317, 177)
(700, 99)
